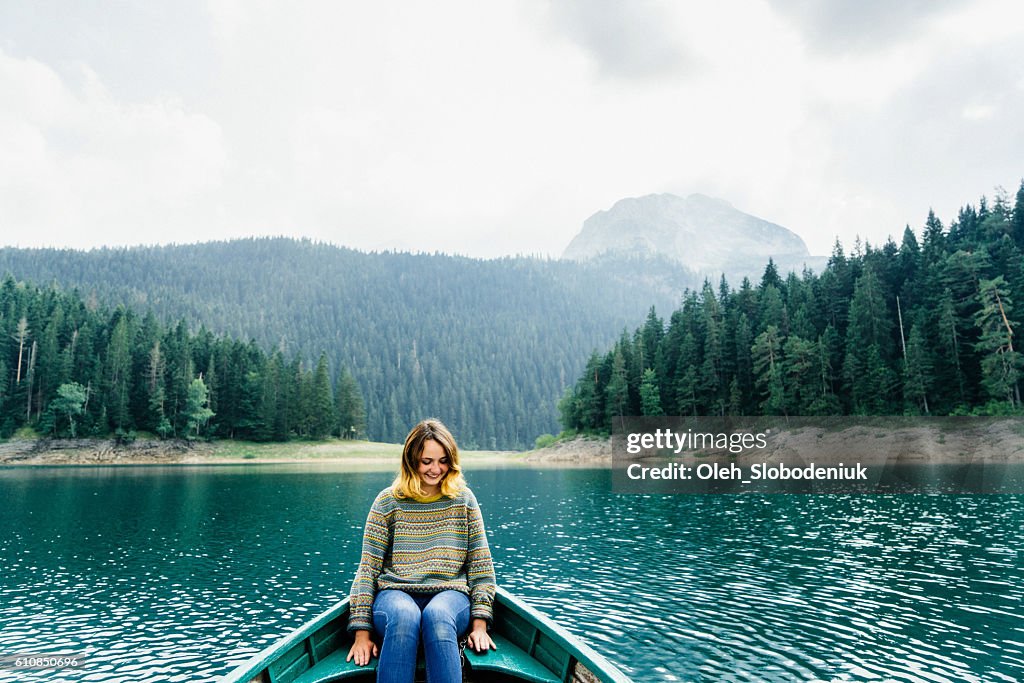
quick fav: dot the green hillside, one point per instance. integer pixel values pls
(487, 345)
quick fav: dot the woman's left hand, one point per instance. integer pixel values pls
(479, 640)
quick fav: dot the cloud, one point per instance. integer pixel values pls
(840, 27)
(141, 49)
(624, 39)
(492, 128)
(955, 129)
(77, 162)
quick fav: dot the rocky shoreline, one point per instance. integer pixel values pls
(583, 451)
(101, 452)
(997, 442)
(994, 441)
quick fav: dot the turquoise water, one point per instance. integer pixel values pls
(158, 573)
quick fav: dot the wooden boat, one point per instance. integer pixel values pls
(531, 647)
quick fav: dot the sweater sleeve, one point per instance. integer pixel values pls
(376, 541)
(479, 568)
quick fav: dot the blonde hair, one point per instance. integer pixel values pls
(408, 483)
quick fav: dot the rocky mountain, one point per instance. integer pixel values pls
(706, 235)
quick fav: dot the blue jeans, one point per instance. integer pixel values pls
(403, 618)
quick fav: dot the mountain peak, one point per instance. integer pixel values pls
(706, 234)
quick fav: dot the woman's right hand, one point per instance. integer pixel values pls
(362, 649)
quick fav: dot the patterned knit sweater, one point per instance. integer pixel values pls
(423, 548)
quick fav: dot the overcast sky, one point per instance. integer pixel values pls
(491, 128)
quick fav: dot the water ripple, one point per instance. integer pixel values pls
(177, 574)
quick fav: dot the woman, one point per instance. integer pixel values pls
(425, 571)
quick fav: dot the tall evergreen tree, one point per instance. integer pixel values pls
(617, 391)
(934, 239)
(650, 399)
(1017, 221)
(118, 373)
(350, 410)
(321, 405)
(917, 373)
(768, 371)
(800, 382)
(1001, 363)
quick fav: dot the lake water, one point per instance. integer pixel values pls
(177, 574)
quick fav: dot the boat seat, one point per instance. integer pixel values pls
(508, 659)
(511, 660)
(333, 667)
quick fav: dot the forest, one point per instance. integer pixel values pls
(71, 368)
(486, 345)
(923, 327)
(274, 339)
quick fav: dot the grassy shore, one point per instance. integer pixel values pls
(27, 448)
(331, 450)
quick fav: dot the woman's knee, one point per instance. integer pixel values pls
(446, 614)
(396, 613)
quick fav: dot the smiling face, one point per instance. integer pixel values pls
(430, 463)
(433, 466)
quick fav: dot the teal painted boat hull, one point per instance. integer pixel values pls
(531, 647)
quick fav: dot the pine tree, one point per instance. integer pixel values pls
(799, 378)
(869, 319)
(917, 374)
(825, 401)
(650, 399)
(770, 277)
(294, 394)
(744, 366)
(1017, 221)
(768, 371)
(653, 332)
(934, 240)
(711, 379)
(118, 373)
(49, 360)
(949, 348)
(868, 379)
(909, 266)
(735, 398)
(349, 405)
(773, 310)
(323, 416)
(1001, 364)
(156, 391)
(180, 373)
(617, 391)
(685, 382)
(885, 382)
(273, 423)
